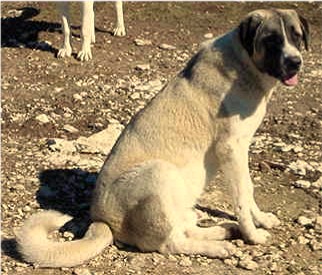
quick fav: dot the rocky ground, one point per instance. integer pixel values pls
(55, 112)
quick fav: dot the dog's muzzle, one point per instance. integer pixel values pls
(291, 67)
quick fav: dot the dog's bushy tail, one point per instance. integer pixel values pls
(35, 247)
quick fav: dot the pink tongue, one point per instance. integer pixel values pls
(291, 81)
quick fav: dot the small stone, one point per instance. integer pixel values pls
(143, 67)
(58, 89)
(167, 47)
(302, 184)
(317, 184)
(208, 35)
(239, 243)
(248, 264)
(315, 245)
(318, 224)
(82, 271)
(42, 118)
(273, 266)
(77, 97)
(26, 209)
(302, 240)
(70, 129)
(304, 221)
(299, 167)
(231, 261)
(135, 96)
(142, 42)
(185, 262)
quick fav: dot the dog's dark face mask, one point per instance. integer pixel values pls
(273, 41)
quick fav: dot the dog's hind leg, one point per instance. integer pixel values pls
(220, 232)
(66, 49)
(119, 30)
(87, 31)
(180, 242)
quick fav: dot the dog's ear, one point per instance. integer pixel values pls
(247, 31)
(306, 31)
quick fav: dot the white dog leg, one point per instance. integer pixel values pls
(119, 29)
(66, 49)
(179, 242)
(237, 174)
(87, 32)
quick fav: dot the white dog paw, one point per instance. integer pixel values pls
(119, 31)
(84, 55)
(64, 52)
(225, 251)
(266, 220)
(259, 236)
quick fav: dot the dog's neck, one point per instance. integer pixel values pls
(267, 82)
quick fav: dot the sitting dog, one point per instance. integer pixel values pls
(88, 29)
(202, 121)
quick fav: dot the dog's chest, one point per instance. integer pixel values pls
(244, 127)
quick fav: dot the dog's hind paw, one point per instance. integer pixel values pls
(266, 220)
(119, 31)
(225, 251)
(64, 52)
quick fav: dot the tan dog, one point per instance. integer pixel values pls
(200, 122)
(88, 29)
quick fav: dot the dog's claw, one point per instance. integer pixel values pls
(64, 52)
(119, 31)
(226, 251)
(84, 55)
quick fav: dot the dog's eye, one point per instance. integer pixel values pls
(274, 40)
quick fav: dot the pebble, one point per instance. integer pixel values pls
(70, 129)
(166, 47)
(27, 208)
(315, 245)
(143, 67)
(82, 271)
(185, 262)
(299, 167)
(248, 264)
(302, 240)
(302, 220)
(317, 184)
(42, 118)
(318, 224)
(142, 42)
(77, 97)
(302, 184)
(135, 96)
(208, 35)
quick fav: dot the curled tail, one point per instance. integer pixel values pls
(36, 248)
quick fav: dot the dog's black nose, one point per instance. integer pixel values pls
(293, 63)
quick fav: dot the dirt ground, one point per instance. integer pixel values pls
(285, 157)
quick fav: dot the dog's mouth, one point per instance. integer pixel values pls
(290, 80)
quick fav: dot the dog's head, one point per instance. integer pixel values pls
(273, 40)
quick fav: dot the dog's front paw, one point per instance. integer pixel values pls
(266, 220)
(258, 236)
(64, 52)
(119, 31)
(84, 55)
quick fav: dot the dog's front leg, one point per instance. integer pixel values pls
(119, 29)
(88, 31)
(66, 49)
(234, 159)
